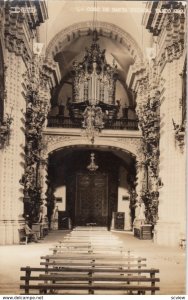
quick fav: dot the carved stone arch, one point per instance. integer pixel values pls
(129, 145)
(67, 35)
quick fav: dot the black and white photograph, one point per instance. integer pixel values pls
(93, 149)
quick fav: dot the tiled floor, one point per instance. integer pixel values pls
(170, 261)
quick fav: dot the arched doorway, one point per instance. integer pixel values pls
(87, 196)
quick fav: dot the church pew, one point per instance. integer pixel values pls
(94, 264)
(89, 244)
(68, 236)
(98, 260)
(91, 240)
(90, 256)
(106, 237)
(86, 249)
(102, 241)
(91, 233)
(90, 281)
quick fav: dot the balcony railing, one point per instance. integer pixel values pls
(66, 122)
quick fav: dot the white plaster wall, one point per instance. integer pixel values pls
(172, 205)
(61, 192)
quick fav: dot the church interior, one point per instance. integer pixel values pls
(92, 146)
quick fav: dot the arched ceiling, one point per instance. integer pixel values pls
(125, 14)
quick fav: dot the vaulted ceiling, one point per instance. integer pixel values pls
(125, 14)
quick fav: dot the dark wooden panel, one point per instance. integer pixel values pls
(91, 199)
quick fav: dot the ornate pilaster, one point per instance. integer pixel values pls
(5, 119)
(21, 20)
(25, 100)
(145, 81)
(11, 152)
(5, 130)
(37, 99)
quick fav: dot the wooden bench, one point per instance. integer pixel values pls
(99, 270)
(92, 234)
(92, 264)
(94, 241)
(93, 261)
(70, 235)
(85, 249)
(100, 256)
(23, 237)
(68, 280)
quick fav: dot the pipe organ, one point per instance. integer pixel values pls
(94, 81)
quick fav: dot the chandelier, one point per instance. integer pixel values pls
(92, 166)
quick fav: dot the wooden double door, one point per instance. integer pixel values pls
(91, 203)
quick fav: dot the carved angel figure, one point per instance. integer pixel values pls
(89, 116)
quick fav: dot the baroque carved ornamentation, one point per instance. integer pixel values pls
(179, 131)
(37, 98)
(54, 139)
(20, 26)
(5, 130)
(5, 119)
(150, 200)
(171, 52)
(148, 112)
(169, 28)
